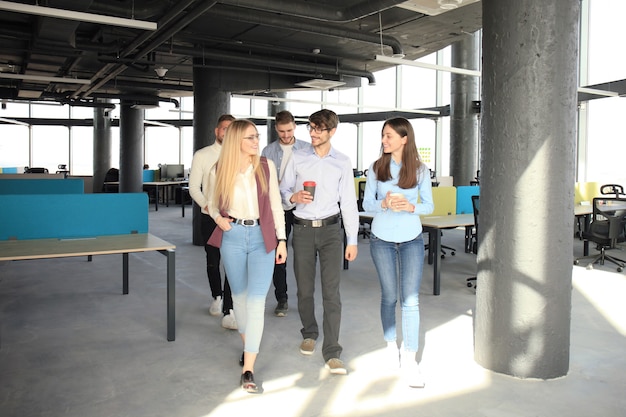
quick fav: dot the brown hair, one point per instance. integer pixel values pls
(284, 117)
(411, 161)
(325, 118)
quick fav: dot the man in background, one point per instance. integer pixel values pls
(203, 161)
(280, 152)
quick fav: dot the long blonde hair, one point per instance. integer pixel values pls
(230, 161)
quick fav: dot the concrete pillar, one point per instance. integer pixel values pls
(523, 305)
(274, 107)
(210, 102)
(465, 89)
(131, 149)
(101, 147)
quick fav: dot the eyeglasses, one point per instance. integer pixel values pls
(252, 137)
(315, 129)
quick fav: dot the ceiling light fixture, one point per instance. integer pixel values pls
(321, 84)
(43, 79)
(455, 70)
(80, 16)
(160, 71)
(449, 4)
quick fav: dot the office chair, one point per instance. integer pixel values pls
(607, 228)
(365, 224)
(614, 189)
(474, 238)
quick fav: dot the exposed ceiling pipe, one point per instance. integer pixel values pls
(161, 37)
(304, 25)
(310, 10)
(276, 63)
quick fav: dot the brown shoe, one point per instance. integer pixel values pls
(307, 347)
(336, 366)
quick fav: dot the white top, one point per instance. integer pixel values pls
(203, 161)
(245, 204)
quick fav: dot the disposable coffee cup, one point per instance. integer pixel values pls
(396, 196)
(310, 187)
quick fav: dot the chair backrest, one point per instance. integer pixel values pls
(359, 200)
(476, 207)
(614, 189)
(609, 220)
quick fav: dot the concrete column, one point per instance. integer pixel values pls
(210, 102)
(101, 147)
(523, 305)
(465, 89)
(131, 149)
(274, 107)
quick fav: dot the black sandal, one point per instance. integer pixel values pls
(247, 382)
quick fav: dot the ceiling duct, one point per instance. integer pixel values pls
(312, 11)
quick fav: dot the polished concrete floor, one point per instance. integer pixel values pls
(73, 345)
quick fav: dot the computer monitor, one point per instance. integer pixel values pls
(174, 171)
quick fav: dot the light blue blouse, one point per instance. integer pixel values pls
(399, 226)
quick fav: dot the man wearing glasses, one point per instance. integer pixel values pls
(280, 152)
(317, 231)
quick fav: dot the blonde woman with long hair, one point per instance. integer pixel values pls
(246, 205)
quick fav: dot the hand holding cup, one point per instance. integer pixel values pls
(309, 186)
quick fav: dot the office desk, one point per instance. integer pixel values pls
(13, 250)
(433, 225)
(158, 186)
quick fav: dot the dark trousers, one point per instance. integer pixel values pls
(280, 270)
(308, 243)
(207, 225)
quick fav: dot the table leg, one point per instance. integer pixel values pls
(586, 242)
(435, 244)
(125, 273)
(171, 294)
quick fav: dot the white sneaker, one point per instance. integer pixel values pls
(229, 322)
(392, 356)
(215, 309)
(411, 371)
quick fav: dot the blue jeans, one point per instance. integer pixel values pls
(399, 266)
(249, 269)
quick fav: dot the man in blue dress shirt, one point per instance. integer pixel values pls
(317, 231)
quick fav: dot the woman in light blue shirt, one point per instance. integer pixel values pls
(397, 192)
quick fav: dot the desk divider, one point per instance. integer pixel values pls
(445, 201)
(464, 195)
(42, 186)
(72, 216)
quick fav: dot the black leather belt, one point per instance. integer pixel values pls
(246, 222)
(317, 223)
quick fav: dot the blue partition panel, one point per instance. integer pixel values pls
(42, 186)
(66, 216)
(464, 195)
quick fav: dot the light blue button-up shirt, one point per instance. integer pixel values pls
(334, 189)
(400, 226)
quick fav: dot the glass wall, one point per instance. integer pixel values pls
(404, 88)
(606, 124)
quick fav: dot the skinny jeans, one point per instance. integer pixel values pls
(399, 267)
(249, 268)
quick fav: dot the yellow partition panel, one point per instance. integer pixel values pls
(586, 191)
(445, 201)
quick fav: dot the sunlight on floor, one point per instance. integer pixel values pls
(370, 388)
(593, 285)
